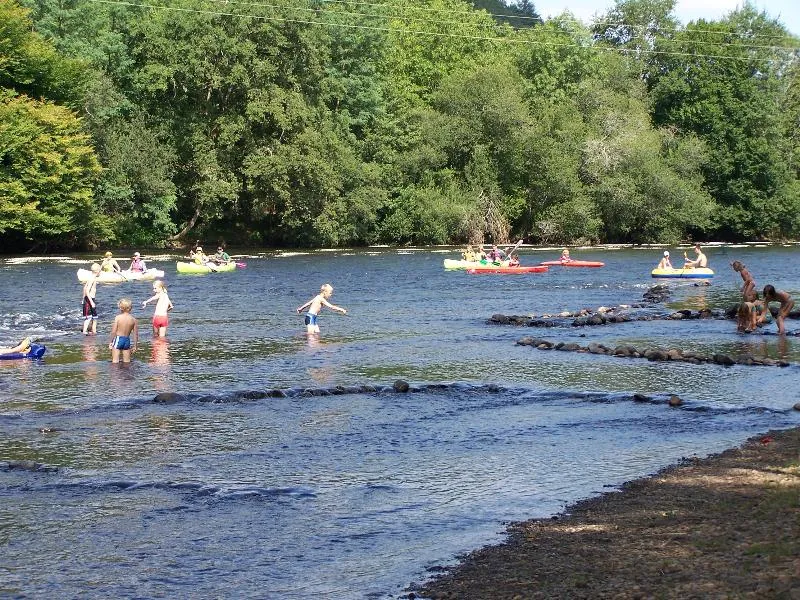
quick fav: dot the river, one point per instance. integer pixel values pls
(235, 492)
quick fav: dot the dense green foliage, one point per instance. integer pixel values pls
(321, 123)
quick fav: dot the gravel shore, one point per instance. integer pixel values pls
(726, 526)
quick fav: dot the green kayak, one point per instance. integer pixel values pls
(194, 268)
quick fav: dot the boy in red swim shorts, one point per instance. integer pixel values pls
(163, 305)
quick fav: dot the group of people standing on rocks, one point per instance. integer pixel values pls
(754, 311)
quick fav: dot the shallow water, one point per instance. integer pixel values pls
(346, 495)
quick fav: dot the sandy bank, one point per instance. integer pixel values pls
(727, 526)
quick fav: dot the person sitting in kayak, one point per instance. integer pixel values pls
(137, 264)
(665, 262)
(495, 254)
(110, 264)
(700, 261)
(199, 257)
(565, 256)
(20, 348)
(469, 254)
(221, 257)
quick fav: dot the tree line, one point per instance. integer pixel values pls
(332, 123)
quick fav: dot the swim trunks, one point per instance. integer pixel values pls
(311, 319)
(160, 321)
(121, 342)
(89, 311)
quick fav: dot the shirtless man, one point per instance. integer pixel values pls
(700, 261)
(772, 295)
(125, 326)
(749, 289)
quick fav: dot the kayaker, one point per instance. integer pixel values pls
(124, 328)
(495, 254)
(786, 304)
(469, 254)
(137, 264)
(665, 262)
(700, 261)
(198, 256)
(221, 257)
(20, 348)
(749, 293)
(110, 264)
(565, 255)
(315, 305)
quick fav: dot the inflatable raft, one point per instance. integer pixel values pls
(519, 270)
(33, 352)
(684, 273)
(450, 263)
(85, 275)
(573, 263)
(195, 269)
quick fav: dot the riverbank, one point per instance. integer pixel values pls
(727, 526)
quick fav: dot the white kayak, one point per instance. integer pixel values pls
(85, 275)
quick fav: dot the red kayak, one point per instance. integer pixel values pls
(489, 269)
(573, 263)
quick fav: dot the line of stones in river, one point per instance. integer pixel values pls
(652, 354)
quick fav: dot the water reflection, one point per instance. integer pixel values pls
(89, 353)
(159, 352)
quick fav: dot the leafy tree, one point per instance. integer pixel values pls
(721, 82)
(47, 172)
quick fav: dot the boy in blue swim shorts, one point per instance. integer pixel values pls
(315, 305)
(124, 333)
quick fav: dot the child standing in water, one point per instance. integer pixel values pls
(315, 305)
(772, 295)
(125, 326)
(89, 304)
(164, 305)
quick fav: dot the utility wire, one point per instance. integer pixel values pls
(508, 40)
(533, 31)
(540, 19)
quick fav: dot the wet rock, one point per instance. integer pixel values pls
(641, 398)
(26, 465)
(501, 319)
(675, 400)
(526, 341)
(674, 354)
(253, 395)
(595, 348)
(624, 351)
(580, 322)
(596, 320)
(797, 406)
(655, 354)
(676, 316)
(547, 346)
(705, 313)
(746, 359)
(400, 386)
(568, 347)
(169, 398)
(723, 359)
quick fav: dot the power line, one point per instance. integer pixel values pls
(507, 40)
(539, 19)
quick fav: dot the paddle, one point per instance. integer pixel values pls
(510, 252)
(241, 265)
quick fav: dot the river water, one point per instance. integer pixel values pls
(232, 492)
